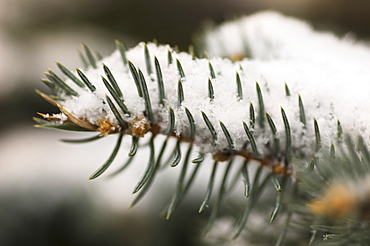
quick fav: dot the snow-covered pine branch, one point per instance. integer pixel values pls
(299, 93)
(330, 90)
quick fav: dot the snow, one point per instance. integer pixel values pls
(331, 74)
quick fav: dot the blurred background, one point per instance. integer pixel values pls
(45, 198)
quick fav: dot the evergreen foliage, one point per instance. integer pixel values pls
(319, 183)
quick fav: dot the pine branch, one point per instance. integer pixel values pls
(230, 110)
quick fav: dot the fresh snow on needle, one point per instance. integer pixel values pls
(331, 74)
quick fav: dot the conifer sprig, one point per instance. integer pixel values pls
(277, 145)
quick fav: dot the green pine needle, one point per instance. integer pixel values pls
(105, 166)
